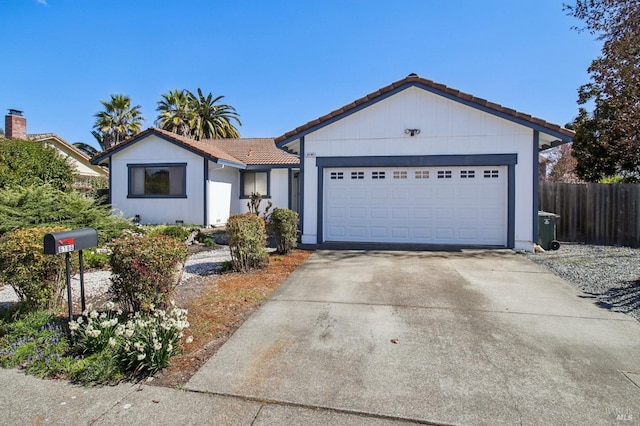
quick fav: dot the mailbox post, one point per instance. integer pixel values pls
(67, 242)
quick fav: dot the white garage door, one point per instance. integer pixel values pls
(431, 205)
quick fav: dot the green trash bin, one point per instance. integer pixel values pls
(547, 231)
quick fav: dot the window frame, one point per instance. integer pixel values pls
(131, 167)
(243, 173)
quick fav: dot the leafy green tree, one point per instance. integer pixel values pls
(176, 114)
(212, 120)
(24, 162)
(117, 122)
(607, 140)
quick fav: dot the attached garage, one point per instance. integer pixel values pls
(430, 205)
(418, 162)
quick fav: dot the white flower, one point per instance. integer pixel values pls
(141, 356)
(103, 316)
(189, 339)
(73, 326)
(169, 347)
(138, 346)
(105, 324)
(80, 320)
(157, 345)
(110, 305)
(128, 332)
(93, 314)
(112, 342)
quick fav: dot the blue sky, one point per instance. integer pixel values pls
(282, 63)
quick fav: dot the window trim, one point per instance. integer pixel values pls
(243, 196)
(132, 166)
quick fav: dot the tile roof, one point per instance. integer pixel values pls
(415, 80)
(243, 152)
(255, 151)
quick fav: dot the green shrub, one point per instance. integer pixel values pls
(35, 342)
(96, 258)
(174, 231)
(247, 239)
(37, 278)
(284, 225)
(40, 206)
(25, 163)
(145, 270)
(205, 239)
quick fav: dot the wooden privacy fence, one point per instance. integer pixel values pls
(594, 213)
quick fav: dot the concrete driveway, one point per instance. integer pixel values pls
(470, 337)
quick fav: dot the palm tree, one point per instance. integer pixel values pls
(86, 148)
(175, 113)
(212, 121)
(118, 121)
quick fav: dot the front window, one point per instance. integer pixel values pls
(157, 180)
(255, 182)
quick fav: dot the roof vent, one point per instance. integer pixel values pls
(15, 112)
(413, 74)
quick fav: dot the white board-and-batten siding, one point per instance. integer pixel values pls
(447, 127)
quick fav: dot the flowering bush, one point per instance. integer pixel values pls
(145, 270)
(149, 341)
(144, 343)
(93, 331)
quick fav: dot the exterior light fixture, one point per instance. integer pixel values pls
(412, 132)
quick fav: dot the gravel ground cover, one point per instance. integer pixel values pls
(610, 275)
(96, 283)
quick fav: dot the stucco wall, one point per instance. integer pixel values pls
(153, 150)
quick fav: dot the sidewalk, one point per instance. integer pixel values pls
(26, 400)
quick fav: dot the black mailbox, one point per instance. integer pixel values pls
(68, 241)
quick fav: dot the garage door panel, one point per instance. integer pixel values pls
(400, 194)
(400, 213)
(358, 231)
(358, 212)
(450, 205)
(379, 213)
(400, 233)
(337, 213)
(379, 232)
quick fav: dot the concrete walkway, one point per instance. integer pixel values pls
(387, 338)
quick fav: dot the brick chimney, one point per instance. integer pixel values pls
(15, 125)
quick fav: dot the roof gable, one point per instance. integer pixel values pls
(67, 149)
(413, 80)
(238, 153)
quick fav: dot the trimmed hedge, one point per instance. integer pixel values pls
(284, 225)
(247, 240)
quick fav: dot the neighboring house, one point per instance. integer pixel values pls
(161, 177)
(419, 162)
(16, 128)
